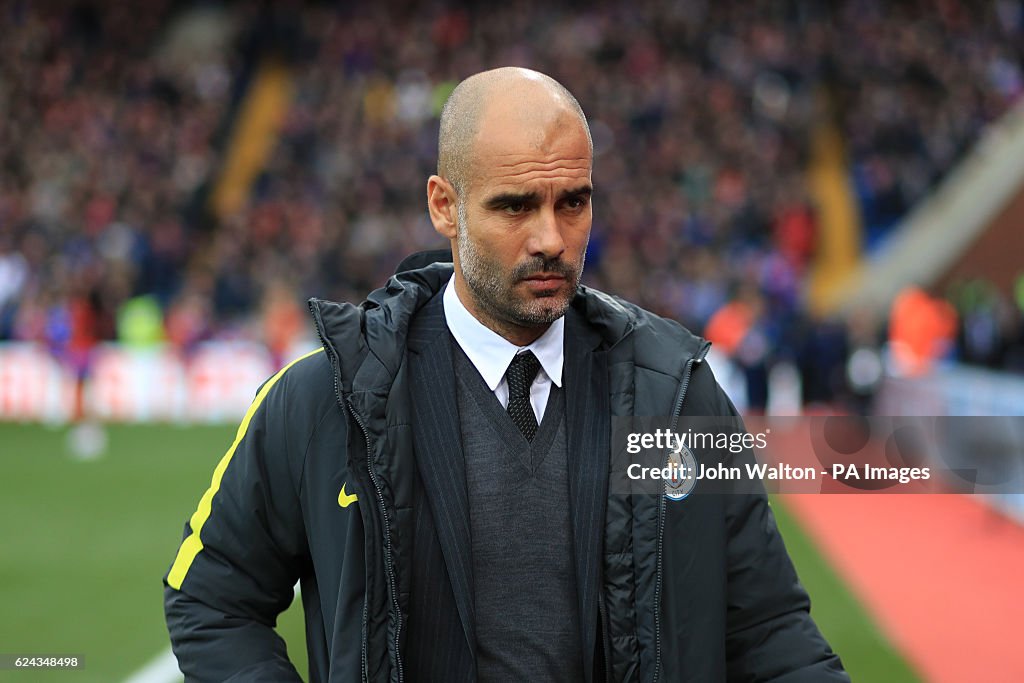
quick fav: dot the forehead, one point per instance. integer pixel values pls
(521, 149)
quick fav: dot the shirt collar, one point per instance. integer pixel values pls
(491, 353)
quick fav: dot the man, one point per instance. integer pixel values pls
(437, 476)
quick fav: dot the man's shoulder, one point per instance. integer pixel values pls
(312, 367)
(655, 342)
(305, 386)
(378, 328)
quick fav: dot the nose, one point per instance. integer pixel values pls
(546, 240)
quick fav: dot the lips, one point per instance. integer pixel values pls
(544, 284)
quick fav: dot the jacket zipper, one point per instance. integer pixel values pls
(366, 598)
(676, 412)
(387, 542)
(380, 499)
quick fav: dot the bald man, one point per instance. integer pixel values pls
(439, 479)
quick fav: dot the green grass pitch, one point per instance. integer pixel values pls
(85, 544)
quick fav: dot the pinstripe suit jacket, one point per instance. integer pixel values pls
(442, 604)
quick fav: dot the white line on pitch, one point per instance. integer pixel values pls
(161, 669)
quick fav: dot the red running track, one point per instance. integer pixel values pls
(942, 575)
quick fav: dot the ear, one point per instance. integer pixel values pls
(441, 198)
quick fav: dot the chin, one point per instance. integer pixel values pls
(552, 309)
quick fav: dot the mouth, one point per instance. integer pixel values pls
(544, 284)
(545, 277)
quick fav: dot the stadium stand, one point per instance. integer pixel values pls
(120, 174)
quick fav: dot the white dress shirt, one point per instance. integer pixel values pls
(491, 353)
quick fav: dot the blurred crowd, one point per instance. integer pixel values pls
(102, 149)
(916, 83)
(701, 114)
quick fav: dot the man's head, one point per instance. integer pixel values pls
(513, 195)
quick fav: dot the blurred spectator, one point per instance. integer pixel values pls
(140, 322)
(922, 330)
(991, 329)
(865, 366)
(738, 328)
(189, 321)
(283, 321)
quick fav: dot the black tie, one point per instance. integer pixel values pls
(520, 375)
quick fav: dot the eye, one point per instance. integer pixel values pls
(576, 203)
(515, 208)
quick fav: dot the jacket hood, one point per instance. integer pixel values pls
(377, 329)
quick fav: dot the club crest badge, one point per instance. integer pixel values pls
(683, 467)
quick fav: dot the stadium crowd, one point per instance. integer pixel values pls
(701, 114)
(103, 149)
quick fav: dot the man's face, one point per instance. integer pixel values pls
(524, 221)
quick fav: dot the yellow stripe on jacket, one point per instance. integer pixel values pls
(191, 546)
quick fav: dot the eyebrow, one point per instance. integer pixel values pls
(578, 193)
(531, 198)
(505, 198)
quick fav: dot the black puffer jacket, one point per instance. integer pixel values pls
(319, 487)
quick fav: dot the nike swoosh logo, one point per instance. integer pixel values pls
(346, 499)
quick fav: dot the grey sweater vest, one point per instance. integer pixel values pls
(524, 581)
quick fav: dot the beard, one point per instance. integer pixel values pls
(493, 288)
